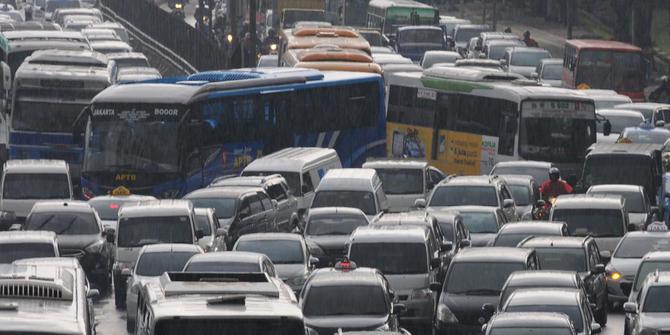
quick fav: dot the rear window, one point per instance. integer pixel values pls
(279, 251)
(364, 201)
(464, 196)
(480, 223)
(401, 181)
(334, 225)
(638, 246)
(19, 186)
(223, 207)
(594, 222)
(566, 259)
(10, 252)
(225, 267)
(153, 264)
(140, 231)
(479, 278)
(357, 300)
(63, 223)
(572, 312)
(391, 258)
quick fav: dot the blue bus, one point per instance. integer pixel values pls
(171, 136)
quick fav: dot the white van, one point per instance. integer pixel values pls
(355, 188)
(27, 181)
(302, 168)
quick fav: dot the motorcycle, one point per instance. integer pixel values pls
(542, 210)
(178, 10)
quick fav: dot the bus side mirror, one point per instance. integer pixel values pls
(607, 128)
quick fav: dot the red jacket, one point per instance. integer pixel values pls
(555, 188)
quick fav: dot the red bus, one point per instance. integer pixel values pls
(607, 65)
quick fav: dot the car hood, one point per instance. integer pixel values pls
(468, 308)
(481, 240)
(290, 271)
(627, 267)
(522, 70)
(401, 284)
(76, 241)
(659, 321)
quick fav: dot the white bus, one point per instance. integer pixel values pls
(463, 121)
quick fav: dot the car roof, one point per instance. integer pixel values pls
(290, 159)
(27, 236)
(349, 179)
(543, 277)
(164, 207)
(590, 201)
(472, 209)
(645, 149)
(229, 256)
(604, 188)
(645, 129)
(406, 218)
(531, 227)
(643, 105)
(470, 180)
(270, 237)
(546, 296)
(553, 61)
(530, 319)
(334, 277)
(395, 164)
(35, 166)
(126, 55)
(554, 242)
(664, 234)
(529, 49)
(517, 179)
(254, 181)
(390, 234)
(62, 206)
(656, 256)
(419, 28)
(170, 247)
(492, 255)
(131, 197)
(223, 192)
(618, 112)
(534, 164)
(330, 211)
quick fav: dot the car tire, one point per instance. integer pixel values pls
(601, 315)
(130, 326)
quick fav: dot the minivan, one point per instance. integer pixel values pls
(357, 188)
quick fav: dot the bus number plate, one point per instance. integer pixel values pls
(426, 94)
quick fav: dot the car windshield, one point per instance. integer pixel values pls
(646, 268)
(572, 312)
(464, 196)
(619, 122)
(646, 136)
(118, 142)
(530, 331)
(202, 223)
(421, 36)
(528, 58)
(357, 300)
(279, 251)
(19, 186)
(567, 259)
(480, 222)
(656, 300)
(552, 71)
(222, 266)
(540, 174)
(631, 170)
(521, 194)
(612, 70)
(635, 202)
(479, 278)
(152, 264)
(556, 130)
(401, 181)
(63, 223)
(636, 246)
(591, 221)
(292, 179)
(229, 326)
(10, 252)
(334, 225)
(223, 207)
(391, 258)
(139, 231)
(362, 200)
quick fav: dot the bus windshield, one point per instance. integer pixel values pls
(556, 131)
(421, 36)
(402, 16)
(631, 170)
(619, 71)
(51, 111)
(230, 326)
(132, 139)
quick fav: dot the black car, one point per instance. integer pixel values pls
(328, 229)
(80, 235)
(578, 254)
(348, 298)
(475, 278)
(510, 235)
(241, 210)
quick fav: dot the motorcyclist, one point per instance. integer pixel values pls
(554, 186)
(269, 41)
(662, 93)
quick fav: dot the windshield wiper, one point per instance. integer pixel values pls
(45, 222)
(69, 224)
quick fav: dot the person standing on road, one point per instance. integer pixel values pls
(529, 40)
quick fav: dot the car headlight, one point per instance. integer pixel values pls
(445, 315)
(95, 247)
(613, 275)
(421, 294)
(649, 331)
(383, 328)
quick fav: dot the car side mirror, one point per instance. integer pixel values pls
(199, 234)
(607, 128)
(110, 234)
(420, 203)
(466, 243)
(630, 307)
(446, 245)
(596, 328)
(605, 255)
(399, 309)
(221, 232)
(92, 293)
(508, 203)
(435, 287)
(435, 263)
(598, 269)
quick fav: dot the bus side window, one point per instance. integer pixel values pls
(508, 127)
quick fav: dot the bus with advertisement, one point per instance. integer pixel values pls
(389, 15)
(610, 65)
(169, 137)
(464, 124)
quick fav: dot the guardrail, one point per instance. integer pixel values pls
(192, 46)
(167, 55)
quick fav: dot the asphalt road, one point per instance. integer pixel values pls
(113, 322)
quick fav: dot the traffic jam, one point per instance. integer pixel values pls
(391, 171)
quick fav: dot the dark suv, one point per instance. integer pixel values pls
(277, 188)
(490, 191)
(80, 235)
(241, 210)
(578, 254)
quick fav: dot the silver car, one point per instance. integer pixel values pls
(213, 236)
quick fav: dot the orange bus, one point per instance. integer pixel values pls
(330, 59)
(310, 37)
(600, 64)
